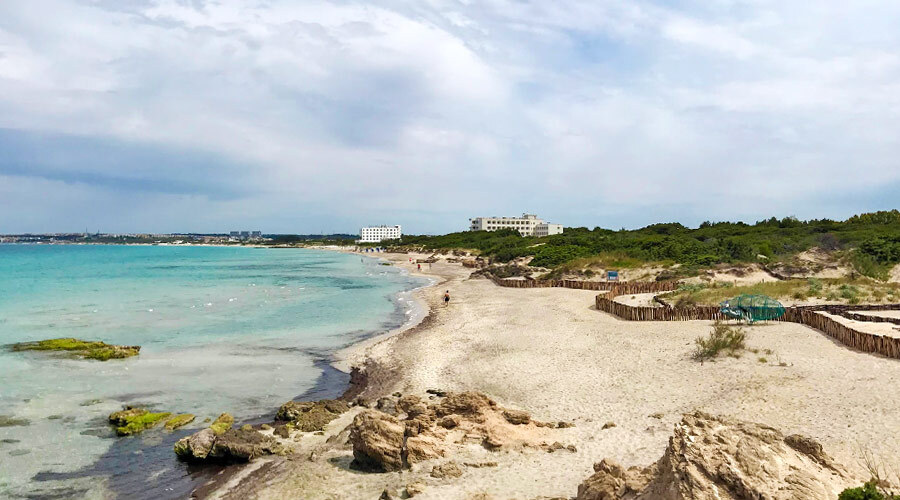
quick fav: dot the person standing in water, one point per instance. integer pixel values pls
(447, 298)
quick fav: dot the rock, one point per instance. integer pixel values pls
(450, 421)
(282, 431)
(10, 421)
(196, 446)
(311, 416)
(90, 402)
(265, 427)
(19, 453)
(389, 494)
(437, 392)
(136, 420)
(222, 423)
(609, 425)
(243, 445)
(9, 441)
(516, 417)
(407, 402)
(564, 425)
(122, 417)
(55, 417)
(179, 421)
(387, 405)
(464, 403)
(710, 457)
(377, 440)
(246, 427)
(447, 470)
(421, 448)
(556, 446)
(414, 489)
(86, 349)
(398, 395)
(658, 415)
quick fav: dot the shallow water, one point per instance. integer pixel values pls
(222, 329)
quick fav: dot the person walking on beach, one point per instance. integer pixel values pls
(447, 298)
(420, 266)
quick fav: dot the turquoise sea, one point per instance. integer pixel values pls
(231, 329)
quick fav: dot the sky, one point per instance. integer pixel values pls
(307, 116)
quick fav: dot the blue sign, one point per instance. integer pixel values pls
(612, 275)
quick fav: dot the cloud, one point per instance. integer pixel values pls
(424, 114)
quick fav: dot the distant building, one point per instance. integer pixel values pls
(527, 225)
(245, 235)
(375, 234)
(547, 229)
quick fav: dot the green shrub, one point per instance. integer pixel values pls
(815, 286)
(868, 491)
(722, 338)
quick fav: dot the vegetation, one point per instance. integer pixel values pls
(851, 292)
(723, 337)
(868, 491)
(872, 241)
(84, 348)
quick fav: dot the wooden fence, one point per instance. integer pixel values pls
(807, 315)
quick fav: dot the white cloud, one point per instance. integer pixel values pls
(447, 108)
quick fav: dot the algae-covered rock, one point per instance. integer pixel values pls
(83, 348)
(9, 421)
(179, 421)
(222, 424)
(135, 420)
(311, 416)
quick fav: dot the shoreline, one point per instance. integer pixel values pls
(549, 352)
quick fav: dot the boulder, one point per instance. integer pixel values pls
(718, 458)
(282, 431)
(516, 417)
(311, 416)
(464, 403)
(243, 445)
(196, 446)
(450, 421)
(222, 423)
(377, 440)
(387, 405)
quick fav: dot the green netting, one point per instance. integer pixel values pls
(752, 308)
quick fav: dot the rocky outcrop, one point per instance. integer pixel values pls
(717, 458)
(311, 416)
(377, 440)
(232, 445)
(243, 445)
(422, 431)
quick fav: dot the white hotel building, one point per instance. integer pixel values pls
(375, 234)
(527, 225)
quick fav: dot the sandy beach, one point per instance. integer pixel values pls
(549, 352)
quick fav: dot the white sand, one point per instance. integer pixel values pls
(549, 352)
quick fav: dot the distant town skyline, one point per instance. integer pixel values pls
(165, 116)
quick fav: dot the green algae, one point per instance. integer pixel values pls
(135, 420)
(100, 351)
(179, 421)
(141, 423)
(222, 424)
